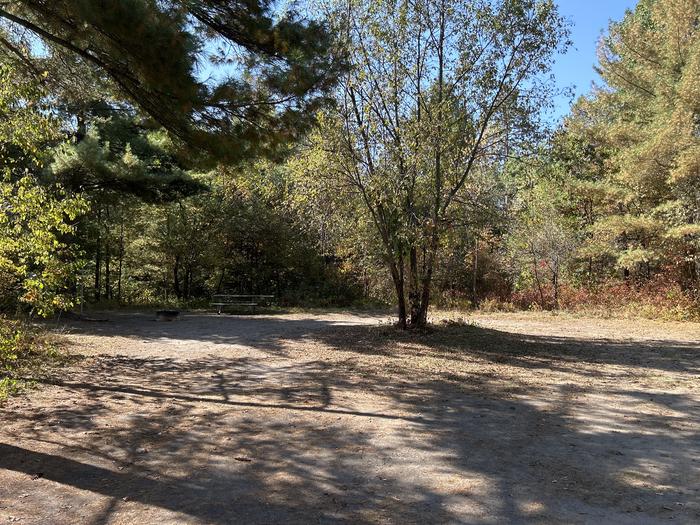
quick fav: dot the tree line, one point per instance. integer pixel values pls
(359, 152)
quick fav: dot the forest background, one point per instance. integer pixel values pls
(338, 163)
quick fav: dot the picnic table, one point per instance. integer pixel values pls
(223, 300)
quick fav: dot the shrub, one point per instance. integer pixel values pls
(658, 298)
(24, 351)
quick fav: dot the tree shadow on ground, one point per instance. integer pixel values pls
(262, 332)
(366, 432)
(526, 350)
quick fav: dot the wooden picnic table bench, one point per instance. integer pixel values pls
(223, 300)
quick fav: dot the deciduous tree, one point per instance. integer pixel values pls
(439, 90)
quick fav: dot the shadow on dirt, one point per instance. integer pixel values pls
(224, 440)
(523, 350)
(263, 332)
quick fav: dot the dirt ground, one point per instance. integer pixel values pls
(338, 418)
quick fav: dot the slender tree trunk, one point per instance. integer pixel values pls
(397, 277)
(475, 269)
(98, 259)
(176, 277)
(555, 286)
(696, 258)
(108, 260)
(537, 280)
(403, 320)
(81, 127)
(108, 256)
(414, 290)
(221, 280)
(98, 264)
(421, 318)
(625, 271)
(121, 260)
(188, 280)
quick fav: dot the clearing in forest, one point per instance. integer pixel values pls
(327, 418)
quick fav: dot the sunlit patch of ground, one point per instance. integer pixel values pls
(340, 418)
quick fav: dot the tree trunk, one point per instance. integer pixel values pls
(398, 278)
(475, 269)
(98, 264)
(108, 283)
(414, 291)
(98, 260)
(625, 271)
(422, 319)
(108, 256)
(221, 280)
(419, 315)
(537, 280)
(555, 286)
(696, 258)
(419, 312)
(121, 260)
(188, 280)
(176, 277)
(80, 128)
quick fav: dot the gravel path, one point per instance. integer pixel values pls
(337, 418)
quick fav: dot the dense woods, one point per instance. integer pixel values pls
(398, 153)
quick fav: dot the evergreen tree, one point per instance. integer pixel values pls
(644, 127)
(234, 78)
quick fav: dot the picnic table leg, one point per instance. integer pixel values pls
(219, 311)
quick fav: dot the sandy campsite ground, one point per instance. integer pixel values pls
(337, 418)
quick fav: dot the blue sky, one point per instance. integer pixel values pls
(589, 18)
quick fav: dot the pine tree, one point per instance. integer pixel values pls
(266, 71)
(644, 124)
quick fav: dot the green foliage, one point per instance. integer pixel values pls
(121, 158)
(424, 112)
(15, 346)
(269, 69)
(625, 208)
(432, 163)
(240, 236)
(10, 345)
(644, 198)
(36, 262)
(24, 352)
(542, 240)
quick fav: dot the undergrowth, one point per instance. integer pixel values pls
(26, 353)
(656, 299)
